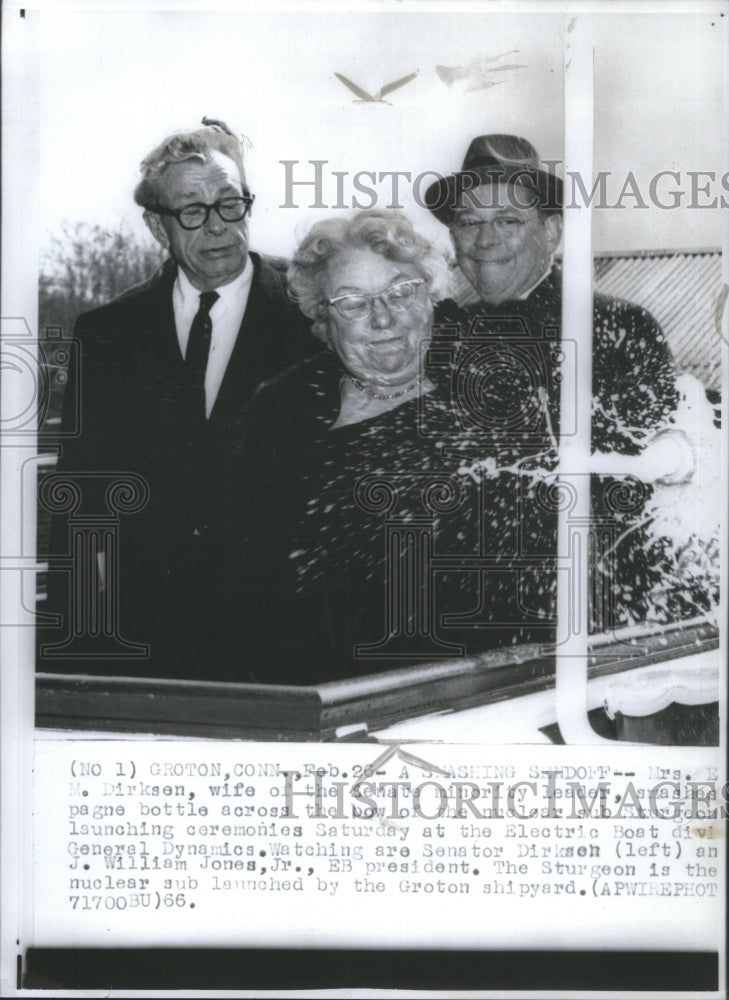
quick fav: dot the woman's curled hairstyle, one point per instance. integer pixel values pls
(388, 233)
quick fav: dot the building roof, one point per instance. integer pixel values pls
(679, 287)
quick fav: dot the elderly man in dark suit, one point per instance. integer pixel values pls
(504, 213)
(165, 371)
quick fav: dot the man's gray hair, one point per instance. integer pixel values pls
(197, 144)
(388, 233)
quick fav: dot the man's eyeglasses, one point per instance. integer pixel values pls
(395, 298)
(196, 215)
(469, 225)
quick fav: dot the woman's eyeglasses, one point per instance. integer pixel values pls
(395, 298)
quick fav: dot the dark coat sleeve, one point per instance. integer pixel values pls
(634, 392)
(251, 527)
(275, 446)
(91, 401)
(634, 376)
(87, 455)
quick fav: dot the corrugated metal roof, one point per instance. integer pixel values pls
(679, 287)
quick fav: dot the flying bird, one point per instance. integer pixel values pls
(365, 98)
(477, 73)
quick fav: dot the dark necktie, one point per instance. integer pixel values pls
(198, 348)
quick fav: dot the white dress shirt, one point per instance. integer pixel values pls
(226, 315)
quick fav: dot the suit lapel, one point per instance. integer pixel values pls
(154, 352)
(240, 377)
(158, 322)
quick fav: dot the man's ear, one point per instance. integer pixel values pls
(553, 225)
(154, 224)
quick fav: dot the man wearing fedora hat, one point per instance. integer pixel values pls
(504, 213)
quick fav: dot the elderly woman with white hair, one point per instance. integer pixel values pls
(370, 284)
(397, 494)
(370, 538)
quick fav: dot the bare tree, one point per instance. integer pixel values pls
(86, 266)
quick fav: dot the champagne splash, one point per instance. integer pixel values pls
(682, 513)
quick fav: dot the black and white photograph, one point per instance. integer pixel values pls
(364, 497)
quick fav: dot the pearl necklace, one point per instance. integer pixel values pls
(380, 395)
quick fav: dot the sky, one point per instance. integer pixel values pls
(105, 85)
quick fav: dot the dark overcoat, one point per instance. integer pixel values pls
(138, 424)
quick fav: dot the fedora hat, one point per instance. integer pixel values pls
(493, 159)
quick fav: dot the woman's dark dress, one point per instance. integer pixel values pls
(425, 533)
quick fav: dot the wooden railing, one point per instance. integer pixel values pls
(346, 709)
